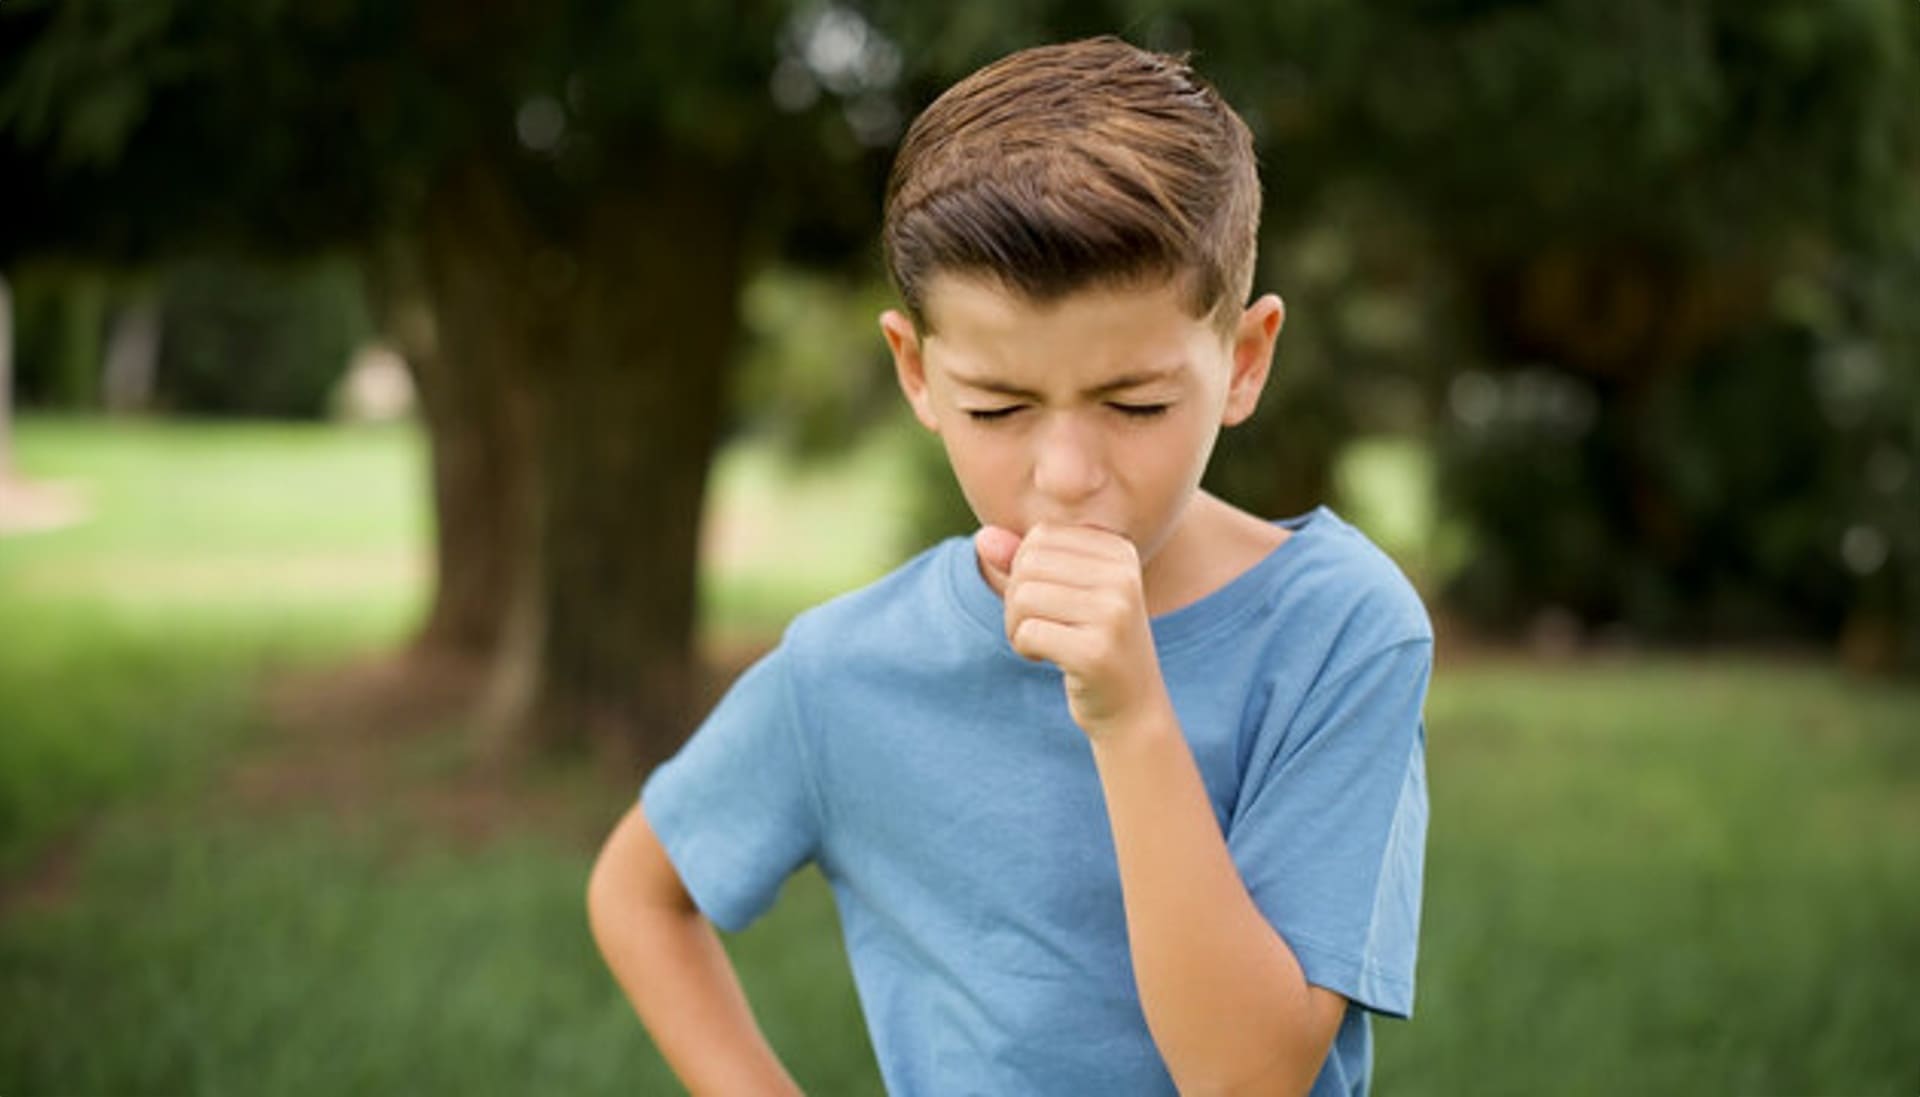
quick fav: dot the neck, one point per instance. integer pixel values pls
(1213, 544)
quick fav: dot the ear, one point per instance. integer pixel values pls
(909, 368)
(1253, 341)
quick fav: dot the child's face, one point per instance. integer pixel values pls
(1100, 409)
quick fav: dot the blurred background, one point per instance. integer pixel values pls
(413, 413)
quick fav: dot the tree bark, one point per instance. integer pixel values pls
(627, 420)
(479, 252)
(476, 468)
(575, 400)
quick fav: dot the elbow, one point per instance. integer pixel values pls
(615, 879)
(612, 896)
(599, 896)
(1279, 1081)
(1264, 1043)
(1284, 1067)
(624, 898)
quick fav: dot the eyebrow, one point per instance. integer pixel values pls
(1118, 384)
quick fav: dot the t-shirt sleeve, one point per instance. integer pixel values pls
(735, 808)
(1330, 832)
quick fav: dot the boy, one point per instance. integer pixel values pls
(1126, 793)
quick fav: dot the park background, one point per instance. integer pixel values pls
(413, 413)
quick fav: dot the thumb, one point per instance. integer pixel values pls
(995, 547)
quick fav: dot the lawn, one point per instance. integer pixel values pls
(1661, 874)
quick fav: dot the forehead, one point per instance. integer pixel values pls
(978, 327)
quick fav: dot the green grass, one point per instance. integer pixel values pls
(215, 552)
(1668, 877)
(191, 945)
(210, 554)
(1659, 875)
(307, 957)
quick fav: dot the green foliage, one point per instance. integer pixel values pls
(59, 337)
(246, 340)
(1574, 221)
(1530, 191)
(130, 133)
(1369, 330)
(85, 86)
(814, 372)
(1765, 492)
(237, 337)
(288, 127)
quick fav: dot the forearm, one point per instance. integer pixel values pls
(1225, 998)
(674, 970)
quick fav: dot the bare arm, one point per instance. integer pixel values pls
(1225, 998)
(669, 960)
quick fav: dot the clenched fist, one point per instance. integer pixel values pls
(1074, 599)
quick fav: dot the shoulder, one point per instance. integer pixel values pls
(907, 605)
(1345, 593)
(902, 640)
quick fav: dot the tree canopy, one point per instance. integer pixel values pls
(1563, 236)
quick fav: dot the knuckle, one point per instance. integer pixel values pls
(1020, 600)
(1017, 613)
(1024, 557)
(1023, 638)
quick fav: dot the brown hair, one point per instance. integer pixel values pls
(1065, 166)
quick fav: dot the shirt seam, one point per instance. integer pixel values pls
(802, 747)
(1362, 663)
(1231, 619)
(1363, 961)
(1263, 597)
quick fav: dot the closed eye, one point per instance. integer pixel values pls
(1140, 411)
(988, 415)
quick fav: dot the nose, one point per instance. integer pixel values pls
(1069, 466)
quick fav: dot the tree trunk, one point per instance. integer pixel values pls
(580, 382)
(133, 355)
(628, 418)
(473, 462)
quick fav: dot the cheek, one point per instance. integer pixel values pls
(1199, 447)
(983, 470)
(1171, 455)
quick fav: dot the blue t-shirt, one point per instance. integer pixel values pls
(937, 778)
